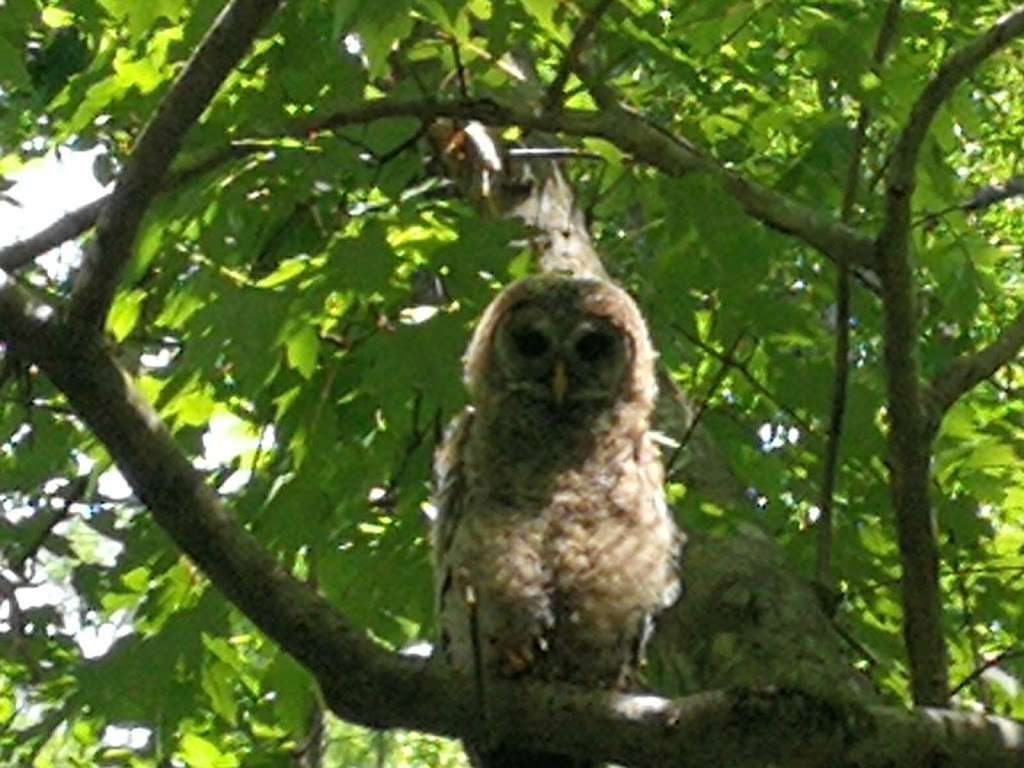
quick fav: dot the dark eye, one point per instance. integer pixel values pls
(594, 345)
(530, 343)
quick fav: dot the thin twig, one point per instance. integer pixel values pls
(69, 495)
(986, 197)
(75, 223)
(403, 145)
(553, 97)
(834, 435)
(754, 13)
(870, 656)
(712, 389)
(68, 227)
(842, 347)
(969, 370)
(967, 628)
(751, 379)
(528, 154)
(995, 661)
(460, 69)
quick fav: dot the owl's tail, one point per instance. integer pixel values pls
(520, 758)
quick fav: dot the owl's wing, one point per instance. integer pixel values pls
(449, 482)
(449, 502)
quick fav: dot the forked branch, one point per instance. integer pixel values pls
(909, 435)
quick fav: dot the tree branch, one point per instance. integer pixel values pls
(995, 661)
(628, 131)
(953, 71)
(751, 379)
(995, 193)
(224, 45)
(910, 442)
(20, 254)
(842, 348)
(969, 370)
(985, 197)
(553, 98)
(364, 683)
(69, 226)
(649, 143)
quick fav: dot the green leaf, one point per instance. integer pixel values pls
(544, 13)
(7, 706)
(12, 66)
(141, 18)
(379, 26)
(197, 752)
(124, 313)
(286, 271)
(991, 454)
(295, 697)
(193, 407)
(303, 350)
(219, 684)
(137, 579)
(56, 17)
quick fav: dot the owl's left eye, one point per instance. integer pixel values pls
(531, 343)
(594, 345)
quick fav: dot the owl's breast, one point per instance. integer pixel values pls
(569, 559)
(611, 543)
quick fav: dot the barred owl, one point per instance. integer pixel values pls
(553, 545)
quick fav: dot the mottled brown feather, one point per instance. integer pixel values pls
(553, 545)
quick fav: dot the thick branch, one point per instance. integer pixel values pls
(364, 683)
(967, 371)
(910, 441)
(224, 45)
(627, 131)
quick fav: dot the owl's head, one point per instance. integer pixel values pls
(564, 342)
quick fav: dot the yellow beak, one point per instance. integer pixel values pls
(559, 382)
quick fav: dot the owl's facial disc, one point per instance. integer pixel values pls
(558, 358)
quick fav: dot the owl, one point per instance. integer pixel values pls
(553, 546)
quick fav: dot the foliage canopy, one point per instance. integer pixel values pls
(301, 289)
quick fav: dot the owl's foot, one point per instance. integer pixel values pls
(516, 660)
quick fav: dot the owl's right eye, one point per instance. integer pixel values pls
(530, 343)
